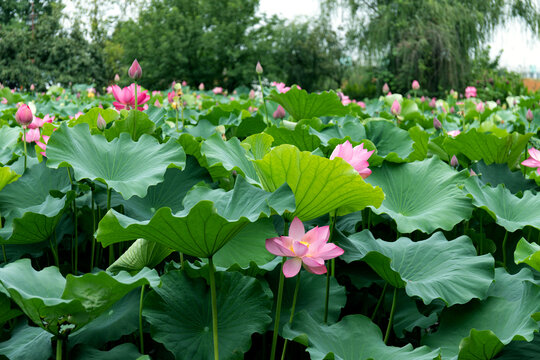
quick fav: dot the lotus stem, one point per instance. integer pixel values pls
(295, 296)
(4, 253)
(177, 119)
(264, 101)
(136, 109)
(331, 270)
(214, 307)
(504, 248)
(392, 310)
(111, 250)
(379, 302)
(278, 312)
(92, 255)
(59, 344)
(141, 334)
(53, 250)
(24, 144)
(75, 238)
(183, 120)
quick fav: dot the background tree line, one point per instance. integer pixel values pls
(440, 43)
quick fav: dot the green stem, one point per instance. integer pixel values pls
(183, 120)
(389, 327)
(136, 108)
(214, 307)
(92, 255)
(53, 250)
(59, 344)
(480, 247)
(177, 119)
(75, 239)
(141, 334)
(4, 253)
(24, 144)
(329, 272)
(327, 298)
(264, 101)
(278, 311)
(295, 296)
(111, 250)
(69, 176)
(504, 248)
(379, 302)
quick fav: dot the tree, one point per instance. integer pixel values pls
(432, 41)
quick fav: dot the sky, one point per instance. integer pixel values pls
(520, 49)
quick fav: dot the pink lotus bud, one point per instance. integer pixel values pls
(32, 87)
(454, 161)
(452, 110)
(396, 108)
(529, 115)
(116, 78)
(422, 99)
(385, 88)
(437, 124)
(135, 71)
(201, 86)
(433, 102)
(480, 107)
(184, 83)
(258, 68)
(415, 85)
(470, 91)
(252, 94)
(471, 171)
(101, 123)
(279, 113)
(24, 115)
(498, 101)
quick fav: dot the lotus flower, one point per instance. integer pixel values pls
(357, 157)
(310, 249)
(345, 100)
(76, 116)
(433, 102)
(24, 115)
(529, 116)
(39, 122)
(385, 88)
(135, 70)
(170, 96)
(362, 104)
(31, 135)
(252, 94)
(534, 160)
(201, 86)
(43, 145)
(125, 98)
(116, 78)
(415, 85)
(279, 113)
(454, 161)
(217, 90)
(454, 133)
(480, 107)
(470, 91)
(395, 109)
(437, 124)
(281, 87)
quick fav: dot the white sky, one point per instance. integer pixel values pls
(521, 49)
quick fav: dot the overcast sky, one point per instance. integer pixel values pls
(521, 49)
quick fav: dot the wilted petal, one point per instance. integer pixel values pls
(291, 267)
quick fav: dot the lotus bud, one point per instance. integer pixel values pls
(480, 107)
(258, 68)
(32, 87)
(252, 94)
(201, 86)
(422, 99)
(116, 78)
(101, 123)
(437, 124)
(24, 115)
(279, 113)
(135, 70)
(452, 110)
(396, 108)
(454, 161)
(415, 85)
(184, 83)
(471, 171)
(385, 88)
(433, 102)
(529, 115)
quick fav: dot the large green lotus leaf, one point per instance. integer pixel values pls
(300, 137)
(488, 147)
(126, 166)
(393, 144)
(31, 212)
(90, 118)
(169, 193)
(142, 253)
(347, 129)
(6, 312)
(192, 146)
(508, 210)
(27, 342)
(422, 195)
(259, 144)
(528, 253)
(231, 155)
(496, 174)
(355, 337)
(121, 319)
(7, 176)
(407, 317)
(60, 305)
(521, 350)
(507, 313)
(421, 143)
(319, 185)
(248, 246)
(8, 140)
(209, 220)
(126, 351)
(482, 344)
(302, 105)
(180, 314)
(136, 124)
(431, 269)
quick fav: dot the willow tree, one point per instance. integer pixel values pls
(433, 41)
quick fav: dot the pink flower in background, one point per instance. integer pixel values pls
(201, 86)
(422, 99)
(309, 249)
(357, 157)
(252, 94)
(454, 133)
(433, 102)
(157, 103)
(38, 122)
(43, 145)
(135, 70)
(385, 88)
(415, 85)
(125, 98)
(252, 109)
(31, 135)
(217, 90)
(345, 100)
(170, 96)
(362, 104)
(184, 83)
(279, 113)
(395, 109)
(454, 161)
(156, 92)
(76, 116)
(109, 89)
(470, 91)
(534, 160)
(281, 87)
(480, 107)
(4, 101)
(24, 115)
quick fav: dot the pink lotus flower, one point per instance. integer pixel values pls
(109, 89)
(184, 83)
(32, 87)
(252, 94)
(24, 115)
(415, 85)
(4, 101)
(480, 107)
(454, 133)
(125, 98)
(357, 157)
(529, 116)
(31, 135)
(345, 100)
(362, 104)
(43, 145)
(281, 87)
(217, 90)
(433, 102)
(116, 78)
(170, 96)
(258, 68)
(38, 122)
(135, 70)
(201, 86)
(534, 160)
(252, 109)
(385, 88)
(422, 99)
(310, 249)
(454, 161)
(395, 109)
(157, 103)
(76, 116)
(156, 92)
(279, 113)
(470, 91)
